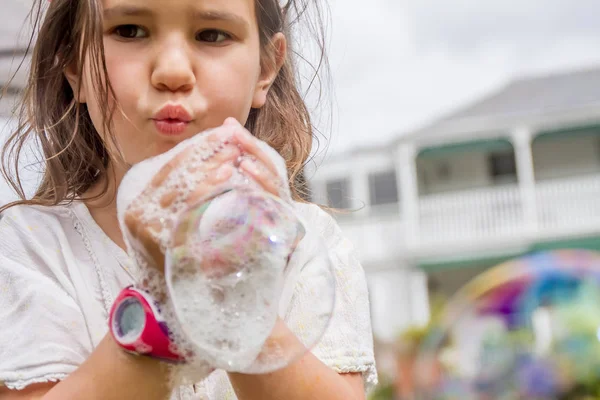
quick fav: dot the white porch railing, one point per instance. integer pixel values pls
(569, 205)
(481, 217)
(470, 215)
(375, 238)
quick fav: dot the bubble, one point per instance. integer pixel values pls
(229, 279)
(235, 265)
(527, 329)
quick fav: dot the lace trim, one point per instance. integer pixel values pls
(106, 295)
(21, 384)
(368, 371)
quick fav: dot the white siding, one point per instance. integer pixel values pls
(30, 174)
(6, 193)
(7, 105)
(356, 168)
(566, 157)
(466, 170)
(345, 166)
(399, 300)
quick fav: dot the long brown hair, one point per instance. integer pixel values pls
(75, 155)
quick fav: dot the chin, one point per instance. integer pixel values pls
(160, 148)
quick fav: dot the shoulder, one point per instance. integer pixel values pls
(20, 214)
(347, 345)
(26, 221)
(38, 292)
(316, 217)
(319, 220)
(34, 236)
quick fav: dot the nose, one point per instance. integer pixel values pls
(173, 70)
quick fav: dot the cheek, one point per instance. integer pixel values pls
(230, 87)
(127, 81)
(124, 91)
(92, 100)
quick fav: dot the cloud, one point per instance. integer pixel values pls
(398, 64)
(467, 25)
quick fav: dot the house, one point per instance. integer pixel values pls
(14, 39)
(515, 172)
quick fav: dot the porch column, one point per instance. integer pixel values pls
(399, 300)
(521, 138)
(406, 174)
(359, 191)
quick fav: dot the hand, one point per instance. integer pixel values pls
(193, 174)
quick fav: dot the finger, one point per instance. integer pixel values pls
(144, 236)
(231, 122)
(210, 145)
(132, 220)
(250, 145)
(169, 167)
(208, 187)
(211, 157)
(270, 182)
(227, 155)
(211, 184)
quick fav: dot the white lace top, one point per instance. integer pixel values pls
(59, 274)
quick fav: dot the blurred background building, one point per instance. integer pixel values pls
(514, 172)
(13, 46)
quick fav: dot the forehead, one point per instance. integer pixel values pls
(228, 9)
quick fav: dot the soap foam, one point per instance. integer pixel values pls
(225, 318)
(241, 244)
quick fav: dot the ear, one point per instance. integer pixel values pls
(271, 64)
(72, 75)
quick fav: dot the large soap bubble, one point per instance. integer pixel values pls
(527, 329)
(231, 281)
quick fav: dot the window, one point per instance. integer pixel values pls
(338, 193)
(383, 188)
(443, 171)
(502, 167)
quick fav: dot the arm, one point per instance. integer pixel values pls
(108, 374)
(307, 378)
(31, 392)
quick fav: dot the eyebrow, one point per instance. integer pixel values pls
(206, 15)
(127, 11)
(214, 15)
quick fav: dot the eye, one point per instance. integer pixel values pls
(212, 36)
(130, 32)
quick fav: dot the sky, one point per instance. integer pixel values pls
(398, 64)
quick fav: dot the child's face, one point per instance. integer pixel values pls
(202, 56)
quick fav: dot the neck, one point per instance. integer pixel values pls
(103, 204)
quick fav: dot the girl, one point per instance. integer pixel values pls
(112, 83)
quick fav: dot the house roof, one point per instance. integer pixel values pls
(539, 102)
(557, 92)
(554, 101)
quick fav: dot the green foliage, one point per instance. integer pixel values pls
(384, 391)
